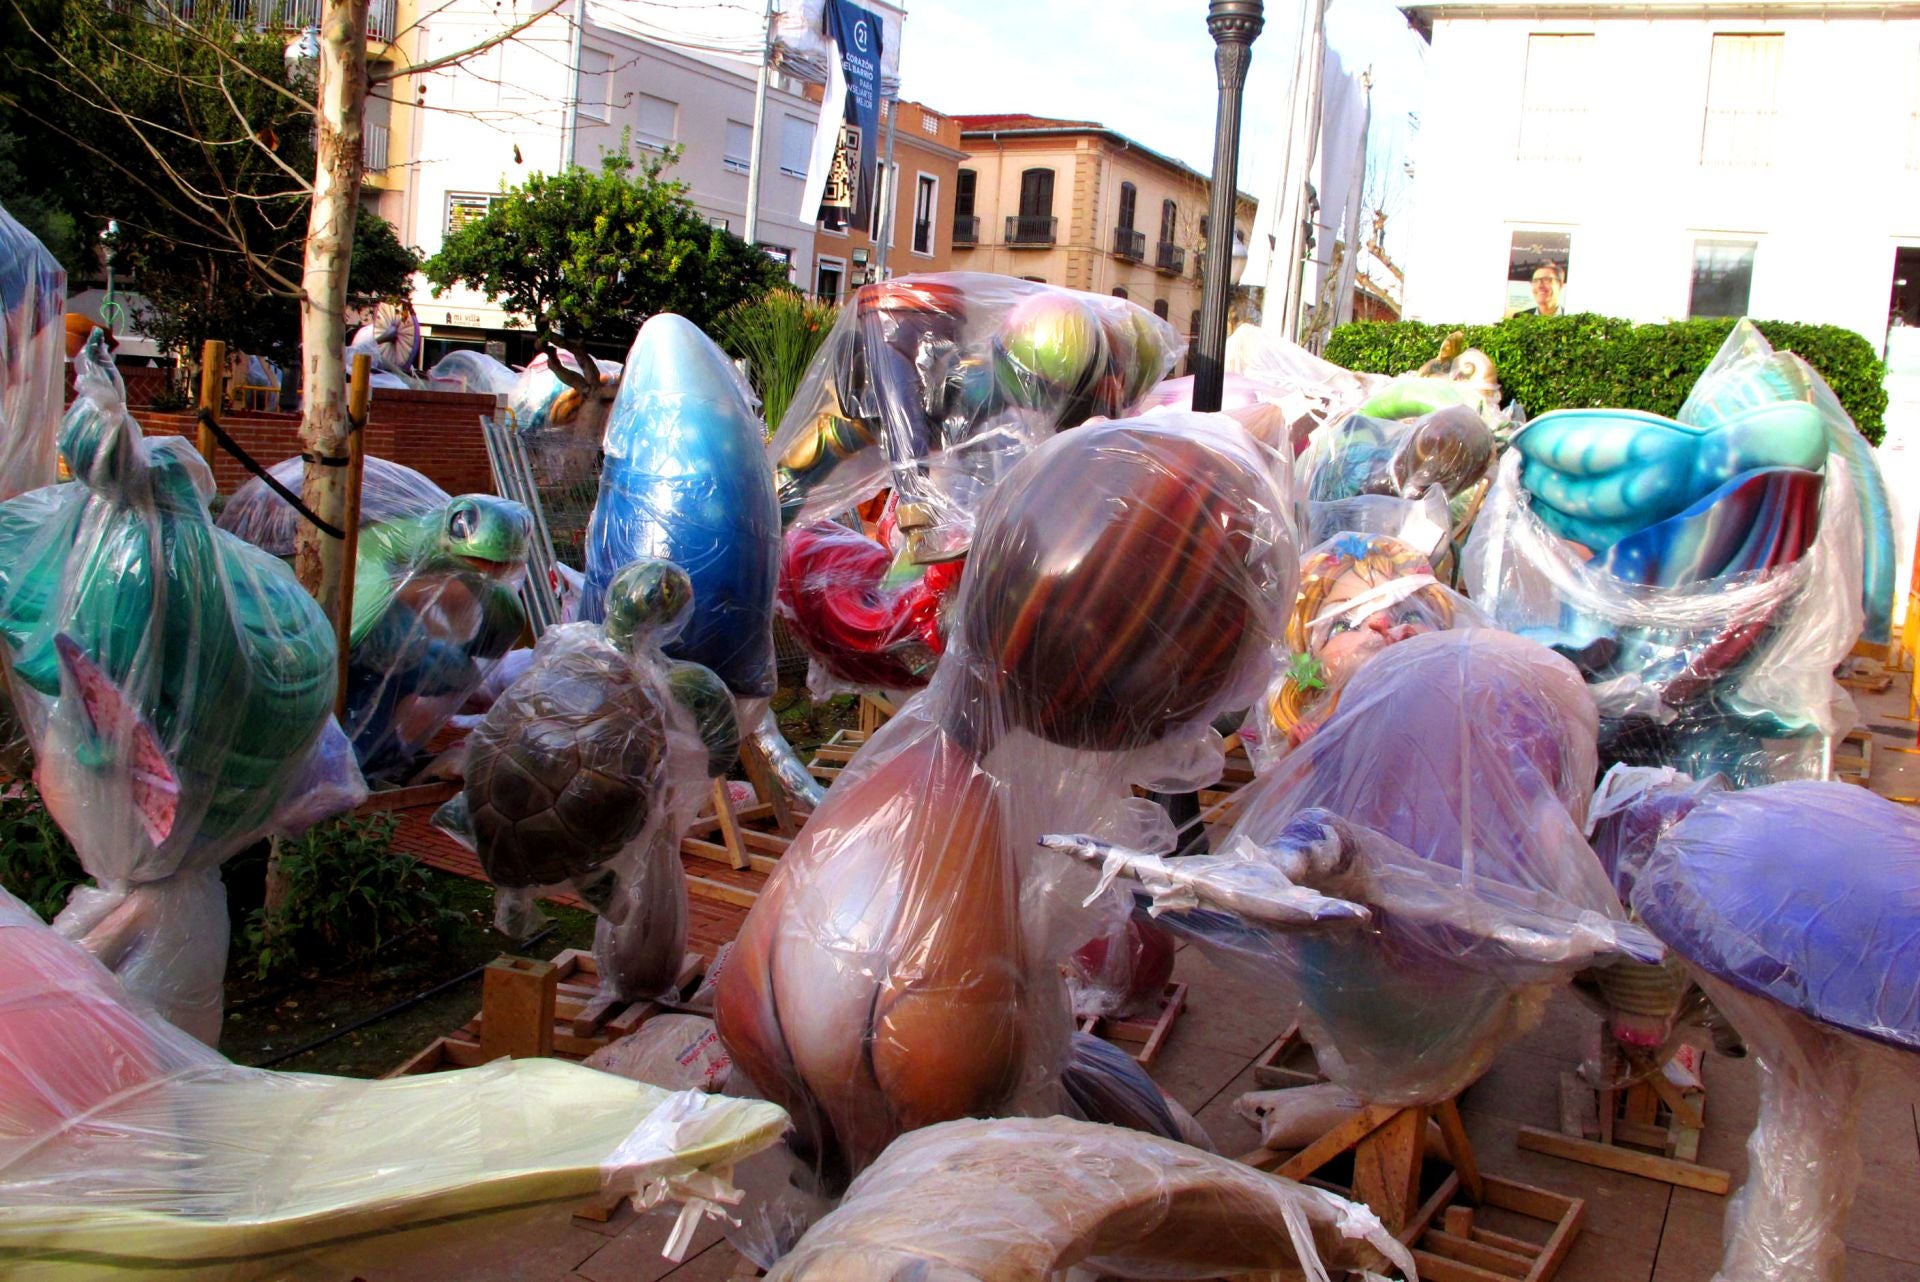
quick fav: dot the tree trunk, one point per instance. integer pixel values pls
(340, 110)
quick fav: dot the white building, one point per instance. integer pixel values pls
(491, 120)
(1676, 160)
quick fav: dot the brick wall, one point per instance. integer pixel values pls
(437, 433)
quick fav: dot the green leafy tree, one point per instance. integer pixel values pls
(583, 257)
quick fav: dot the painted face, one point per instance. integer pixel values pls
(1348, 630)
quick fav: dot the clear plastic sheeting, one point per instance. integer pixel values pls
(1017, 1199)
(1413, 878)
(127, 1149)
(470, 371)
(866, 622)
(1798, 907)
(938, 385)
(1311, 392)
(1359, 594)
(175, 684)
(1450, 448)
(1279, 417)
(1704, 573)
(559, 427)
(33, 303)
(686, 480)
(436, 599)
(902, 965)
(587, 771)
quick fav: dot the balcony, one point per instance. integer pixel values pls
(1030, 231)
(1129, 244)
(286, 15)
(373, 148)
(1169, 257)
(966, 229)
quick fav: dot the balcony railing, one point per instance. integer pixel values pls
(373, 147)
(966, 229)
(1129, 244)
(1027, 229)
(1169, 257)
(285, 15)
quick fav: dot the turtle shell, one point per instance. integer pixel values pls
(1112, 590)
(565, 769)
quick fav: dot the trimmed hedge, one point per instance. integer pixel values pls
(1586, 361)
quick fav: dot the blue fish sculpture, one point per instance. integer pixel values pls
(686, 480)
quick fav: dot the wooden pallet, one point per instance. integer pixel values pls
(1149, 1034)
(537, 1009)
(1432, 1207)
(1290, 1061)
(1650, 1129)
(1853, 757)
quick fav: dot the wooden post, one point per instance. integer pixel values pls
(517, 1001)
(358, 388)
(213, 369)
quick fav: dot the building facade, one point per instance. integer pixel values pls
(487, 122)
(1072, 203)
(917, 190)
(1668, 161)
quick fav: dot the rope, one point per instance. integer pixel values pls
(233, 447)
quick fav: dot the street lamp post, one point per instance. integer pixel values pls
(1234, 26)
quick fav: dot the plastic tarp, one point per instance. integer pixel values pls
(127, 1149)
(33, 302)
(436, 599)
(938, 385)
(1719, 581)
(902, 965)
(177, 687)
(1013, 1200)
(1798, 907)
(1413, 880)
(471, 371)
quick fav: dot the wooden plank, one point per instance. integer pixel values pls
(721, 855)
(720, 892)
(1386, 1167)
(1578, 1115)
(1332, 1144)
(1629, 1161)
(1459, 1148)
(766, 787)
(1508, 1264)
(729, 825)
(1528, 1199)
(1438, 1268)
(516, 1008)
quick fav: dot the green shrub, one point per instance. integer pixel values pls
(37, 863)
(348, 893)
(1584, 361)
(777, 335)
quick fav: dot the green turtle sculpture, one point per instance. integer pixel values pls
(435, 598)
(175, 684)
(588, 768)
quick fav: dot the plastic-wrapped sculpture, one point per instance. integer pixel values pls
(1704, 572)
(470, 371)
(1359, 593)
(1797, 906)
(176, 685)
(938, 385)
(587, 771)
(895, 972)
(1026, 1198)
(33, 304)
(435, 598)
(1414, 875)
(127, 1148)
(1309, 391)
(1278, 417)
(868, 617)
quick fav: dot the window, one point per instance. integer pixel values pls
(1169, 221)
(963, 189)
(929, 123)
(1553, 105)
(1193, 330)
(886, 183)
(1036, 193)
(925, 200)
(1743, 85)
(467, 207)
(596, 83)
(1160, 308)
(796, 146)
(1722, 278)
(1119, 291)
(738, 157)
(829, 273)
(1129, 196)
(1206, 221)
(659, 120)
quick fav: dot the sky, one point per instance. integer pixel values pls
(1141, 67)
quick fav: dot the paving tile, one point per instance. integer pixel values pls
(1623, 1207)
(1522, 1086)
(1193, 1072)
(1595, 1257)
(1232, 1135)
(634, 1256)
(1886, 1213)
(717, 1263)
(532, 1246)
(1690, 1244)
(1865, 1266)
(1225, 1011)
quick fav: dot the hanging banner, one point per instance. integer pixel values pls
(847, 197)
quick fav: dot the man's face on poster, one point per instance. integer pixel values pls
(1546, 291)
